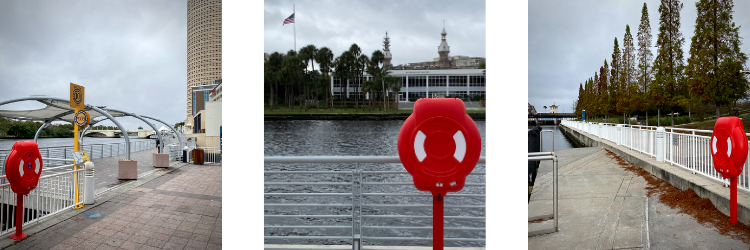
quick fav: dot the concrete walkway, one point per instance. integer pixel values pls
(604, 206)
(174, 208)
(601, 206)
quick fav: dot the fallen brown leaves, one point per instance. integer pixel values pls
(688, 202)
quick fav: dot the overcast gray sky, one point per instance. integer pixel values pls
(413, 26)
(128, 55)
(569, 40)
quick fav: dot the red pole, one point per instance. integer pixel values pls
(733, 200)
(19, 219)
(437, 222)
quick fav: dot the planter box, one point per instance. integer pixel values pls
(127, 169)
(161, 160)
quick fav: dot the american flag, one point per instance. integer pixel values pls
(289, 19)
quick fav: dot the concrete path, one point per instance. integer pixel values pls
(601, 206)
(670, 230)
(566, 157)
(604, 206)
(176, 208)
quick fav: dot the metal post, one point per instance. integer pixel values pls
(88, 183)
(660, 134)
(38, 131)
(122, 129)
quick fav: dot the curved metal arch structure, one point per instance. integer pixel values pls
(147, 117)
(161, 142)
(52, 101)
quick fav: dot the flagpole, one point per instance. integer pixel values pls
(294, 12)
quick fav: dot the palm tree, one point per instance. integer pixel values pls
(304, 55)
(361, 66)
(343, 72)
(325, 59)
(353, 66)
(274, 65)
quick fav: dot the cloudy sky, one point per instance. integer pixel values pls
(128, 56)
(413, 26)
(569, 40)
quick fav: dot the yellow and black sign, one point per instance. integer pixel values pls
(76, 96)
(82, 118)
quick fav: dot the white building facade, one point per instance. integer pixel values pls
(463, 83)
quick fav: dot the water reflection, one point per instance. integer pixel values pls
(560, 141)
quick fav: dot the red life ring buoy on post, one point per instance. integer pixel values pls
(23, 167)
(439, 145)
(729, 153)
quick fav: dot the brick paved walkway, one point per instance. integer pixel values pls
(179, 210)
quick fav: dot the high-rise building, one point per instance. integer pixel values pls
(203, 47)
(443, 51)
(386, 51)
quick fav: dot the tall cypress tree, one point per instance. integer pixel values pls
(668, 65)
(627, 72)
(715, 57)
(614, 80)
(645, 57)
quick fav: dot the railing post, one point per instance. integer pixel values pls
(618, 135)
(88, 183)
(660, 136)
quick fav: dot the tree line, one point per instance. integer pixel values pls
(636, 82)
(27, 129)
(288, 82)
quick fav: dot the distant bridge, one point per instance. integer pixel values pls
(141, 133)
(552, 115)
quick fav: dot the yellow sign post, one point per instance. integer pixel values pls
(82, 118)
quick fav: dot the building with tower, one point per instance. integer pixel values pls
(203, 48)
(443, 51)
(386, 50)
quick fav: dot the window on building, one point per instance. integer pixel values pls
(417, 81)
(476, 81)
(437, 81)
(457, 81)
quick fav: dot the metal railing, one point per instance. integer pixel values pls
(211, 154)
(687, 148)
(547, 156)
(93, 150)
(362, 206)
(54, 194)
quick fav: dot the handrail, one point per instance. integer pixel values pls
(334, 190)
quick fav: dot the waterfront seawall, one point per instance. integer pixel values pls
(677, 176)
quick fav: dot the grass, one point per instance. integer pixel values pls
(362, 110)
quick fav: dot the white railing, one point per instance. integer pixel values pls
(211, 155)
(362, 206)
(54, 193)
(687, 148)
(93, 150)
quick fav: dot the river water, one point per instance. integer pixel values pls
(6, 144)
(357, 138)
(560, 141)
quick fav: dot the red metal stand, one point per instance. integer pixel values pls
(437, 222)
(733, 200)
(19, 219)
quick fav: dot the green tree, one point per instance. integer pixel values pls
(645, 57)
(627, 72)
(667, 89)
(715, 56)
(325, 59)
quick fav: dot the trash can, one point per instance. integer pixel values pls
(198, 156)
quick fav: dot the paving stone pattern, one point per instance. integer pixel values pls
(180, 210)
